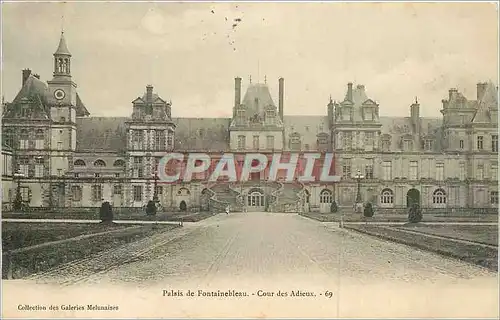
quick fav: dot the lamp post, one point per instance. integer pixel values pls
(358, 203)
(18, 201)
(155, 192)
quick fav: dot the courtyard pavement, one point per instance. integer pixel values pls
(348, 274)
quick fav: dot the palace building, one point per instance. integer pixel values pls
(61, 156)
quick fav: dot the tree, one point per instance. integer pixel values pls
(151, 208)
(106, 212)
(368, 211)
(333, 207)
(415, 213)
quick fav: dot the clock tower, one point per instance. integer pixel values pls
(62, 99)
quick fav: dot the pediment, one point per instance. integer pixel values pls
(159, 100)
(322, 135)
(138, 100)
(369, 102)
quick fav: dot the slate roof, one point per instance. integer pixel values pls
(34, 92)
(257, 98)
(204, 134)
(63, 47)
(81, 110)
(101, 133)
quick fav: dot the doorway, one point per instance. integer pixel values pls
(412, 196)
(183, 206)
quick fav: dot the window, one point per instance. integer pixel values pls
(59, 145)
(39, 168)
(494, 143)
(240, 116)
(76, 175)
(96, 193)
(440, 171)
(325, 196)
(413, 170)
(346, 168)
(24, 165)
(480, 172)
(270, 117)
(494, 171)
(39, 139)
(137, 193)
(407, 145)
(25, 193)
(76, 193)
(462, 171)
(137, 139)
(387, 196)
(461, 144)
(24, 139)
(119, 163)
(138, 160)
(387, 170)
(79, 163)
(494, 197)
(369, 168)
(480, 142)
(160, 140)
(159, 190)
(386, 145)
(270, 142)
(439, 197)
(256, 142)
(117, 189)
(428, 145)
(9, 137)
(369, 139)
(99, 163)
(97, 175)
(241, 142)
(295, 143)
(170, 139)
(347, 140)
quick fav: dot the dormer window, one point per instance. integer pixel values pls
(270, 117)
(295, 142)
(386, 145)
(368, 114)
(407, 145)
(240, 116)
(346, 114)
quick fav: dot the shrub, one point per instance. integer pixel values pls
(151, 208)
(415, 214)
(106, 212)
(368, 211)
(333, 207)
(17, 204)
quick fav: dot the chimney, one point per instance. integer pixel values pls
(26, 75)
(149, 93)
(451, 93)
(237, 92)
(415, 121)
(330, 114)
(349, 91)
(481, 89)
(361, 87)
(281, 89)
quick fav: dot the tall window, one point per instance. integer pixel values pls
(407, 145)
(137, 137)
(240, 116)
(347, 140)
(413, 170)
(270, 142)
(480, 172)
(24, 165)
(39, 139)
(494, 197)
(270, 117)
(117, 189)
(24, 139)
(462, 145)
(97, 193)
(462, 170)
(241, 142)
(76, 193)
(39, 167)
(440, 171)
(387, 196)
(295, 143)
(256, 142)
(494, 143)
(160, 139)
(494, 171)
(137, 193)
(387, 170)
(386, 145)
(325, 196)
(138, 169)
(170, 139)
(480, 142)
(439, 196)
(369, 168)
(346, 168)
(428, 144)
(369, 140)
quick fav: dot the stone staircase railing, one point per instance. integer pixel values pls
(240, 202)
(214, 204)
(223, 193)
(289, 202)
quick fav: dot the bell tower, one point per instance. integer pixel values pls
(62, 60)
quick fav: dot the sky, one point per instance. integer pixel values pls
(191, 52)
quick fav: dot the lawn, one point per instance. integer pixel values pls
(473, 253)
(38, 251)
(358, 217)
(17, 235)
(476, 233)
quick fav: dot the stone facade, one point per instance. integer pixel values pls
(73, 160)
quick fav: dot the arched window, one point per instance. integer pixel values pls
(79, 163)
(99, 163)
(76, 192)
(439, 196)
(325, 196)
(39, 134)
(119, 163)
(183, 192)
(387, 196)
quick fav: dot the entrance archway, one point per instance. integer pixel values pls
(256, 200)
(183, 206)
(412, 196)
